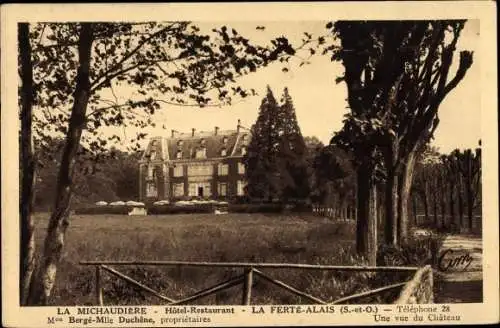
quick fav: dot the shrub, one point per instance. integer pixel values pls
(256, 208)
(94, 210)
(184, 209)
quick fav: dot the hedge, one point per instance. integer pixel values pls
(105, 209)
(193, 208)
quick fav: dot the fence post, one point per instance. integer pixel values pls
(98, 287)
(247, 286)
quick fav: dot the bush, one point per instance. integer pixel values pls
(94, 210)
(184, 209)
(256, 208)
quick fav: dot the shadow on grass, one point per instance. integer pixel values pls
(458, 291)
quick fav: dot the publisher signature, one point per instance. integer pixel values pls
(448, 261)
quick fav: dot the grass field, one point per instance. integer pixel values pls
(293, 238)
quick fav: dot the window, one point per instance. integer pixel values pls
(179, 143)
(241, 188)
(178, 189)
(151, 190)
(222, 190)
(179, 154)
(201, 152)
(199, 189)
(241, 168)
(153, 155)
(200, 170)
(223, 152)
(224, 140)
(243, 150)
(178, 171)
(244, 138)
(223, 169)
(202, 142)
(193, 189)
(151, 172)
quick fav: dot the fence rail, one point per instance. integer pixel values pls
(250, 272)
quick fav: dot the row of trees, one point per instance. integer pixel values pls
(277, 159)
(397, 75)
(447, 188)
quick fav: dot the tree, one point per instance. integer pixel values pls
(469, 166)
(27, 247)
(292, 153)
(276, 162)
(336, 178)
(66, 69)
(261, 160)
(314, 147)
(397, 76)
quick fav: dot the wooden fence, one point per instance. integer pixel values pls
(251, 271)
(346, 213)
(419, 289)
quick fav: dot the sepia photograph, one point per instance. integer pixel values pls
(305, 162)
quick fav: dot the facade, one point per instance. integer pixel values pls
(194, 165)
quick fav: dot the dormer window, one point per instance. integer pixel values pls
(223, 152)
(179, 154)
(202, 142)
(224, 140)
(244, 138)
(152, 155)
(243, 150)
(179, 143)
(201, 152)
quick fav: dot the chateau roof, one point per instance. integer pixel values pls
(167, 148)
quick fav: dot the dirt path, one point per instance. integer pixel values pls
(459, 278)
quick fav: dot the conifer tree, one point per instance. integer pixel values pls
(277, 167)
(294, 179)
(262, 157)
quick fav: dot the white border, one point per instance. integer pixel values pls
(487, 312)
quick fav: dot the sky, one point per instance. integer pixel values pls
(319, 102)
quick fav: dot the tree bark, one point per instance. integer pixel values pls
(460, 202)
(366, 220)
(391, 210)
(470, 207)
(414, 209)
(405, 182)
(451, 194)
(443, 203)
(28, 165)
(59, 219)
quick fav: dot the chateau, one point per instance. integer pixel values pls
(197, 164)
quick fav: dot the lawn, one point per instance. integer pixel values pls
(293, 238)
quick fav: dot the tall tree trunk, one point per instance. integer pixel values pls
(451, 195)
(460, 203)
(58, 223)
(391, 210)
(470, 207)
(443, 204)
(435, 206)
(414, 209)
(425, 204)
(28, 163)
(404, 196)
(391, 195)
(366, 221)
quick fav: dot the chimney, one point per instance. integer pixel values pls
(216, 130)
(238, 126)
(194, 130)
(173, 133)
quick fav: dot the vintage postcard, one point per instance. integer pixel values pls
(240, 164)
